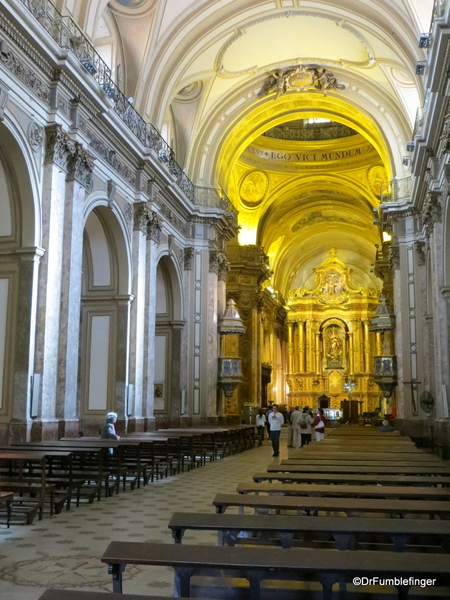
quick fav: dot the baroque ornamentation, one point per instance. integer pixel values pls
(218, 263)
(420, 249)
(35, 135)
(394, 256)
(80, 167)
(142, 213)
(58, 146)
(254, 187)
(26, 75)
(111, 157)
(154, 227)
(431, 211)
(111, 192)
(299, 78)
(188, 256)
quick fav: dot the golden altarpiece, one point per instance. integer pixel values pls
(329, 342)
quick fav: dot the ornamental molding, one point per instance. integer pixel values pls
(110, 155)
(188, 257)
(142, 213)
(432, 211)
(154, 227)
(299, 78)
(80, 166)
(25, 73)
(218, 263)
(58, 146)
(394, 256)
(421, 254)
(35, 136)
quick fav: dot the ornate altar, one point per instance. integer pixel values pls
(329, 341)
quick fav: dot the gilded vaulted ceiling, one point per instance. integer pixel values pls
(200, 71)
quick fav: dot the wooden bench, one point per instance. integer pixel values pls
(19, 466)
(348, 462)
(350, 506)
(384, 468)
(374, 491)
(260, 564)
(346, 532)
(354, 478)
(6, 499)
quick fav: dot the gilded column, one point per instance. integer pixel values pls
(290, 348)
(301, 346)
(351, 352)
(357, 336)
(317, 352)
(378, 344)
(310, 346)
(367, 366)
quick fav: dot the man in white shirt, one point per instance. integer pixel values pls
(276, 420)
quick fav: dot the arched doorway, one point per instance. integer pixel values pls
(169, 401)
(105, 304)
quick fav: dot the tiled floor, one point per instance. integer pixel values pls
(63, 551)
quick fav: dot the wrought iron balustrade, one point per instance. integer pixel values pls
(397, 189)
(66, 33)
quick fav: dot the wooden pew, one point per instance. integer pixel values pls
(373, 491)
(6, 499)
(353, 478)
(88, 465)
(350, 506)
(346, 532)
(262, 564)
(19, 464)
(373, 462)
(59, 477)
(383, 469)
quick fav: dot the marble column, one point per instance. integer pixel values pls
(137, 318)
(79, 180)
(59, 148)
(153, 237)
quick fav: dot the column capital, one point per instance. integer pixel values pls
(432, 211)
(80, 165)
(58, 146)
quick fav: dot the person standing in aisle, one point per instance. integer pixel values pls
(276, 420)
(319, 425)
(305, 426)
(260, 422)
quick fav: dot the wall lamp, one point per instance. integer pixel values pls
(420, 67)
(410, 146)
(424, 40)
(405, 160)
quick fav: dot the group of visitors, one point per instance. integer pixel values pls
(301, 423)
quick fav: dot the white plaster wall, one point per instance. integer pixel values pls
(98, 244)
(98, 363)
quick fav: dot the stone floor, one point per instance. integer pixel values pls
(63, 551)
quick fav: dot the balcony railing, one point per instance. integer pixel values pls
(210, 197)
(439, 9)
(68, 35)
(396, 189)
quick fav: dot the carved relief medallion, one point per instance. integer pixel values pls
(254, 187)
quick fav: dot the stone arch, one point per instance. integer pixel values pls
(20, 240)
(105, 313)
(168, 341)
